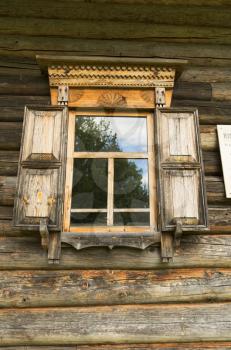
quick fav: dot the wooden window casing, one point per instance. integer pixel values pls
(110, 210)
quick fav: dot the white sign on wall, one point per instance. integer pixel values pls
(224, 137)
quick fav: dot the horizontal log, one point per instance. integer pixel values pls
(195, 251)
(11, 114)
(170, 14)
(10, 135)
(156, 346)
(221, 91)
(21, 101)
(9, 162)
(19, 46)
(220, 219)
(26, 85)
(116, 324)
(212, 163)
(89, 29)
(206, 74)
(83, 288)
(196, 91)
(6, 212)
(7, 190)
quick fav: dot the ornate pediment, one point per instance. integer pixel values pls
(111, 72)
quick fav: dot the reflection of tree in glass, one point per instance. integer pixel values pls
(90, 175)
(129, 189)
(95, 136)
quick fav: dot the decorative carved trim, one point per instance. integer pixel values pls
(86, 240)
(110, 99)
(111, 75)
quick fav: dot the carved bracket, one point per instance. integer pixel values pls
(160, 97)
(50, 241)
(63, 95)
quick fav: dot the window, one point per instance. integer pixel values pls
(111, 173)
(113, 164)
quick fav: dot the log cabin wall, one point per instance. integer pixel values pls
(124, 296)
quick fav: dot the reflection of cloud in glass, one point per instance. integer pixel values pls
(131, 133)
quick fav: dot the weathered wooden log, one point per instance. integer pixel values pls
(7, 190)
(156, 346)
(116, 324)
(83, 288)
(11, 114)
(24, 84)
(194, 251)
(212, 163)
(10, 135)
(21, 101)
(194, 91)
(6, 212)
(206, 74)
(19, 46)
(221, 91)
(89, 29)
(124, 11)
(9, 162)
(219, 219)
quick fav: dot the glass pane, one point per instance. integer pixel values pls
(89, 183)
(132, 219)
(110, 134)
(81, 219)
(131, 189)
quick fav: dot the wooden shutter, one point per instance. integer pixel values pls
(180, 167)
(40, 185)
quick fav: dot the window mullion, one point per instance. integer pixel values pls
(110, 196)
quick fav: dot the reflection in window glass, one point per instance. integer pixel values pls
(131, 219)
(81, 219)
(131, 183)
(110, 134)
(90, 183)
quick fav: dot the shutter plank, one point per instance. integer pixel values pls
(181, 173)
(40, 186)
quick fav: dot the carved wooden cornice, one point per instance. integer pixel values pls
(98, 72)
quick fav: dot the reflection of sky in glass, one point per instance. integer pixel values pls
(131, 134)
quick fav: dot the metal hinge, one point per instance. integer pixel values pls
(160, 97)
(63, 95)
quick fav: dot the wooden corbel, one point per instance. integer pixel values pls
(50, 241)
(171, 240)
(44, 233)
(160, 97)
